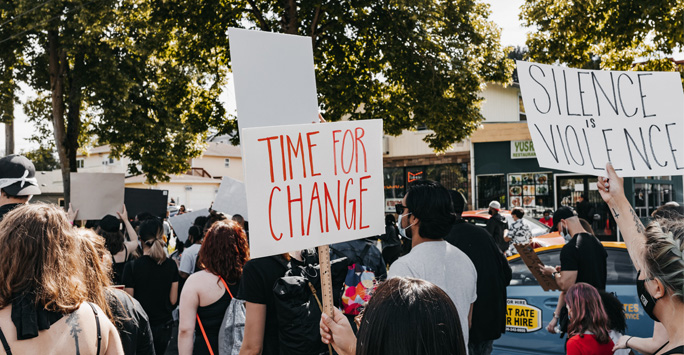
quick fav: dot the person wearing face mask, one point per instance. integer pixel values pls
(583, 259)
(426, 216)
(497, 226)
(546, 219)
(657, 252)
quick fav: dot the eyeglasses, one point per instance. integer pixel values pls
(399, 208)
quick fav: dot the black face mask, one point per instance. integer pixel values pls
(647, 301)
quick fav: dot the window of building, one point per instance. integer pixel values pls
(651, 193)
(226, 163)
(80, 163)
(521, 108)
(491, 188)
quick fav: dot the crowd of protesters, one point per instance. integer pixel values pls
(437, 287)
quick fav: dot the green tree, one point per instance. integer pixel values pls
(410, 62)
(42, 158)
(102, 70)
(145, 75)
(610, 34)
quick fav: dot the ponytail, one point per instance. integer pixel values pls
(151, 232)
(156, 252)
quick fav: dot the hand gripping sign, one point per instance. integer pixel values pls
(581, 119)
(314, 184)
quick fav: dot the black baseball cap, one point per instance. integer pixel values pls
(18, 176)
(564, 212)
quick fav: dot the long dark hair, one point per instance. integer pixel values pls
(410, 316)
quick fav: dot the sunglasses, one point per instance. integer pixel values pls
(399, 208)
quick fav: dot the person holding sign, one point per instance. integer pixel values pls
(426, 215)
(658, 255)
(583, 259)
(17, 182)
(120, 248)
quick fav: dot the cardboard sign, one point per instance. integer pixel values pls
(274, 78)
(182, 223)
(146, 200)
(231, 198)
(527, 254)
(96, 195)
(313, 184)
(581, 119)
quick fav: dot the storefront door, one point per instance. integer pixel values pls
(581, 192)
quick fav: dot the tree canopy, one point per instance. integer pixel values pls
(145, 76)
(612, 34)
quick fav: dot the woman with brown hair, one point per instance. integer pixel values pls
(124, 311)
(119, 248)
(43, 288)
(208, 293)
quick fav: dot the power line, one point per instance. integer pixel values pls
(25, 12)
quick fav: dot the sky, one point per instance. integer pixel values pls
(504, 13)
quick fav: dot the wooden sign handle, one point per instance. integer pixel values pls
(326, 279)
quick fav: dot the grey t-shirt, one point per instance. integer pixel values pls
(188, 259)
(445, 266)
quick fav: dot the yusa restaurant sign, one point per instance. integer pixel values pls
(522, 150)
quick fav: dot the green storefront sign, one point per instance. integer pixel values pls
(522, 150)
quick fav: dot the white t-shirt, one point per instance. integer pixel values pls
(445, 266)
(188, 259)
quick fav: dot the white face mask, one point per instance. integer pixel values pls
(402, 231)
(565, 234)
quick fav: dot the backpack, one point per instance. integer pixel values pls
(299, 313)
(359, 284)
(232, 331)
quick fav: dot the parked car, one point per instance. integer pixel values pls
(530, 309)
(541, 234)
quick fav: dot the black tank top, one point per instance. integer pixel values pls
(211, 317)
(677, 350)
(118, 268)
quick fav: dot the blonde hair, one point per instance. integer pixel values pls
(151, 233)
(40, 253)
(97, 273)
(664, 254)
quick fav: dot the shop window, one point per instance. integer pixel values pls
(491, 188)
(451, 176)
(521, 108)
(531, 191)
(649, 194)
(395, 182)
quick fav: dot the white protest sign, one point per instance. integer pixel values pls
(96, 195)
(181, 223)
(581, 119)
(313, 184)
(275, 83)
(231, 198)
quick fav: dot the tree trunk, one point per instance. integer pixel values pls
(73, 124)
(57, 67)
(9, 136)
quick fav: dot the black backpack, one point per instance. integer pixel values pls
(298, 311)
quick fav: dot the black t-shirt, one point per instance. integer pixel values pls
(586, 255)
(493, 276)
(256, 286)
(131, 322)
(5, 209)
(151, 283)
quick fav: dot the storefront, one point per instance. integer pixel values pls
(449, 170)
(508, 172)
